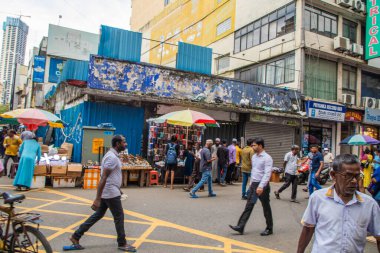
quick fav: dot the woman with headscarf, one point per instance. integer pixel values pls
(29, 151)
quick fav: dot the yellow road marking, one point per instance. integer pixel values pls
(145, 235)
(67, 229)
(227, 247)
(44, 205)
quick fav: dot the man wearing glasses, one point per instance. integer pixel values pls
(340, 216)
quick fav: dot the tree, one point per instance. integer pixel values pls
(4, 108)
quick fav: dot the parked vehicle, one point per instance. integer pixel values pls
(324, 176)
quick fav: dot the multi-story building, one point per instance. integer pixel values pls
(15, 33)
(314, 46)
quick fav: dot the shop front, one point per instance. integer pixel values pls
(321, 127)
(279, 134)
(371, 123)
(352, 121)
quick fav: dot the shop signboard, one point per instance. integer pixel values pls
(372, 116)
(372, 45)
(325, 111)
(353, 116)
(274, 120)
(38, 69)
(55, 70)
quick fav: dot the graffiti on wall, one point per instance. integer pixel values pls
(140, 78)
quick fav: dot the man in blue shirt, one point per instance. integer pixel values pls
(315, 168)
(340, 216)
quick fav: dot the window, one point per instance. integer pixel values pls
(275, 72)
(223, 27)
(276, 24)
(370, 85)
(222, 63)
(349, 30)
(166, 2)
(320, 22)
(349, 78)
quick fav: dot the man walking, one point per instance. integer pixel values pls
(108, 196)
(214, 149)
(196, 174)
(316, 168)
(206, 167)
(340, 216)
(11, 144)
(262, 165)
(246, 166)
(232, 161)
(328, 157)
(222, 155)
(290, 165)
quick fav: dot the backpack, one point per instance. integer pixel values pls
(171, 156)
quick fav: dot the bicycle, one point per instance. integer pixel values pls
(18, 236)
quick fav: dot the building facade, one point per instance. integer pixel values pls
(315, 47)
(15, 33)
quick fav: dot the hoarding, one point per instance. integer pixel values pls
(39, 69)
(55, 69)
(319, 110)
(372, 45)
(372, 116)
(69, 43)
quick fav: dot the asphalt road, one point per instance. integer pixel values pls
(163, 220)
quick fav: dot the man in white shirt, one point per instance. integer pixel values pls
(262, 165)
(290, 165)
(328, 157)
(340, 216)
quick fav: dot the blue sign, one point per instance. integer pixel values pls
(372, 116)
(39, 69)
(55, 69)
(325, 111)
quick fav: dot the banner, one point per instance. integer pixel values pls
(39, 69)
(372, 116)
(372, 45)
(55, 70)
(320, 110)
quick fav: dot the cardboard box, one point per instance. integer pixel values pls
(74, 170)
(58, 168)
(40, 169)
(275, 177)
(133, 176)
(38, 182)
(64, 182)
(91, 178)
(69, 147)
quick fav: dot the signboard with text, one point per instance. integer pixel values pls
(38, 69)
(372, 116)
(353, 116)
(372, 44)
(325, 111)
(55, 70)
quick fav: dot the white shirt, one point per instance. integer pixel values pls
(328, 158)
(262, 165)
(291, 165)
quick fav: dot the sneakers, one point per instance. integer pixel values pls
(294, 201)
(277, 194)
(212, 195)
(127, 248)
(186, 189)
(244, 198)
(193, 195)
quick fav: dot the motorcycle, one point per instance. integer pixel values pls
(303, 173)
(324, 176)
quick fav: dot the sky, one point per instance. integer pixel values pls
(85, 15)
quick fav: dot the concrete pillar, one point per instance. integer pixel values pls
(339, 85)
(355, 149)
(338, 134)
(359, 34)
(358, 86)
(299, 32)
(340, 26)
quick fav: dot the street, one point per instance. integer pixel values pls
(163, 220)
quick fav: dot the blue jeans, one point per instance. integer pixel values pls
(246, 176)
(313, 183)
(206, 177)
(221, 178)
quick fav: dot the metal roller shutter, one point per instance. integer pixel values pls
(277, 138)
(227, 131)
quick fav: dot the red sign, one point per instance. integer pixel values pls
(354, 116)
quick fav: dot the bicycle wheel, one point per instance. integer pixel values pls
(29, 240)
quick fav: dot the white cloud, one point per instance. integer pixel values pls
(85, 15)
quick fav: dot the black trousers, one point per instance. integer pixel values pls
(290, 179)
(116, 209)
(252, 199)
(230, 170)
(6, 159)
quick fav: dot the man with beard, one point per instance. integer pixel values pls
(108, 197)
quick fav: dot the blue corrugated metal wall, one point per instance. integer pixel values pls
(127, 120)
(194, 58)
(120, 44)
(75, 70)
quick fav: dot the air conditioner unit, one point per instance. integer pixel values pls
(358, 6)
(348, 99)
(344, 3)
(357, 49)
(369, 102)
(378, 104)
(341, 44)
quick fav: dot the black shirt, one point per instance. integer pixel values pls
(222, 154)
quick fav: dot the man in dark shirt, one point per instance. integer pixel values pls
(206, 169)
(316, 168)
(223, 158)
(171, 167)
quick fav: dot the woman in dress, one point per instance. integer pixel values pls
(29, 151)
(366, 161)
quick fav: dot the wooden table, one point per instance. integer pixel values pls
(143, 174)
